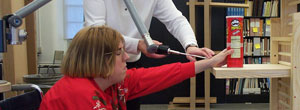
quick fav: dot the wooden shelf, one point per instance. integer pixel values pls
(257, 56)
(5, 87)
(186, 100)
(197, 3)
(284, 39)
(253, 71)
(248, 37)
(220, 4)
(247, 17)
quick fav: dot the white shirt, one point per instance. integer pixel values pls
(114, 14)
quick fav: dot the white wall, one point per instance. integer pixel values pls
(50, 30)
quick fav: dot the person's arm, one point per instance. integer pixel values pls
(180, 28)
(144, 81)
(175, 22)
(216, 61)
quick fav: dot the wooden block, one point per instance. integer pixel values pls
(285, 63)
(186, 100)
(284, 84)
(283, 94)
(284, 54)
(293, 3)
(284, 104)
(197, 3)
(173, 106)
(286, 39)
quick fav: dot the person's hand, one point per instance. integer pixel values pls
(143, 48)
(216, 61)
(199, 51)
(220, 59)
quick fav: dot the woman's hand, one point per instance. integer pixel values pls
(217, 60)
(220, 59)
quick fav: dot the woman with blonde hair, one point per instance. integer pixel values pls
(96, 77)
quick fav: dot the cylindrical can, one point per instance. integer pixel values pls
(235, 40)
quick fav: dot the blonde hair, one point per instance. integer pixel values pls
(86, 55)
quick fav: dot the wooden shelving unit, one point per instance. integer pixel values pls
(208, 4)
(284, 70)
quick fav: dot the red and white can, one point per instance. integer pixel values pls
(235, 40)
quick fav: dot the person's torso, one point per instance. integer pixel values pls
(83, 93)
(119, 18)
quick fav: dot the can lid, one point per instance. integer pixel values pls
(234, 16)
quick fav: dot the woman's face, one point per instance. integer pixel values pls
(120, 65)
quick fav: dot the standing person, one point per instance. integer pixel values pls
(115, 14)
(96, 77)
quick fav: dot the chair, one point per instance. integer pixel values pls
(27, 101)
(58, 57)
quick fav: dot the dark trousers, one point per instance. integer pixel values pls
(135, 103)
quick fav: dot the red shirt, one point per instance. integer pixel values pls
(84, 94)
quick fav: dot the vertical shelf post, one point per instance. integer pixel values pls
(207, 44)
(193, 80)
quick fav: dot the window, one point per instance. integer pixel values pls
(73, 17)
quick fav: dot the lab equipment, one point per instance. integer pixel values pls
(10, 34)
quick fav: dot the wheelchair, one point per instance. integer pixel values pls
(28, 101)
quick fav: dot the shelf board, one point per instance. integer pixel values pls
(186, 100)
(246, 56)
(220, 4)
(197, 3)
(253, 71)
(248, 37)
(283, 39)
(246, 17)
